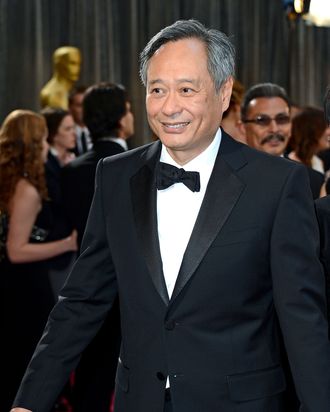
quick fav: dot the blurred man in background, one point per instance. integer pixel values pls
(84, 141)
(108, 116)
(266, 124)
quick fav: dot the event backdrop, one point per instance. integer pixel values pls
(111, 34)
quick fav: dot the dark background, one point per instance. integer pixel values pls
(112, 33)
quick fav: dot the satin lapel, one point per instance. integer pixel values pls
(144, 201)
(222, 193)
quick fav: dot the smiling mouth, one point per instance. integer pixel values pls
(175, 126)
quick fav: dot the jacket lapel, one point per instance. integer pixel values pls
(144, 200)
(222, 193)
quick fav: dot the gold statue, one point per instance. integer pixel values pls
(66, 66)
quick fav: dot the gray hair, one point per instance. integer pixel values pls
(220, 50)
(267, 90)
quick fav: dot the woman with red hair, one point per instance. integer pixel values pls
(25, 221)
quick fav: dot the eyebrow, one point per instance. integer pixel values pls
(183, 80)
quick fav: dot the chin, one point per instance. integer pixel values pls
(275, 152)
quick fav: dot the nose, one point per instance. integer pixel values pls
(273, 126)
(171, 105)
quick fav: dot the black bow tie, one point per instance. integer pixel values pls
(167, 175)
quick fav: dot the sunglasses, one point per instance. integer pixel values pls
(265, 120)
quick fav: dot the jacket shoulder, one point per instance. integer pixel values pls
(129, 157)
(256, 158)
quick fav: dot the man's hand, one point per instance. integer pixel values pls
(20, 410)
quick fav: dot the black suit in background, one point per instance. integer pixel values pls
(323, 216)
(61, 226)
(325, 156)
(251, 260)
(78, 179)
(316, 180)
(95, 374)
(60, 265)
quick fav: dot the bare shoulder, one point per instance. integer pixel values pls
(25, 189)
(25, 195)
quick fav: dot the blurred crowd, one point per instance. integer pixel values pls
(47, 168)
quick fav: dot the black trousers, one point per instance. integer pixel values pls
(168, 402)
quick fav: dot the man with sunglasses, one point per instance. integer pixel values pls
(266, 124)
(265, 114)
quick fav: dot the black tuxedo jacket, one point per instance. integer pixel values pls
(316, 180)
(325, 156)
(96, 371)
(60, 225)
(323, 216)
(77, 181)
(251, 261)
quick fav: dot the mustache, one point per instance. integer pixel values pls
(274, 136)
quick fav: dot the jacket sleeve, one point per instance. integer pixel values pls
(323, 217)
(299, 292)
(85, 300)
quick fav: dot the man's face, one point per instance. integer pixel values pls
(69, 66)
(182, 106)
(76, 108)
(272, 138)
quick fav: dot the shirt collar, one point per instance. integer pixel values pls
(53, 151)
(80, 129)
(118, 140)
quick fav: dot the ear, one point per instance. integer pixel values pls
(121, 122)
(122, 125)
(225, 93)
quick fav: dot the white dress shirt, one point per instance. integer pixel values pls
(177, 210)
(79, 130)
(122, 142)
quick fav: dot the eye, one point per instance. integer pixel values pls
(263, 120)
(282, 118)
(156, 90)
(187, 90)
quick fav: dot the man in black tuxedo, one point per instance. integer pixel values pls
(107, 114)
(205, 265)
(75, 105)
(266, 124)
(323, 215)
